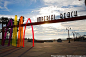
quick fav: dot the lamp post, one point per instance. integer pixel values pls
(73, 36)
(68, 33)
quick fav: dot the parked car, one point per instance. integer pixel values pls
(59, 40)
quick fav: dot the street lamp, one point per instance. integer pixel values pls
(73, 36)
(68, 33)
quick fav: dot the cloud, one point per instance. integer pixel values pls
(55, 25)
(49, 31)
(49, 10)
(54, 30)
(1, 7)
(60, 3)
(57, 29)
(23, 2)
(56, 9)
(76, 25)
(9, 16)
(5, 5)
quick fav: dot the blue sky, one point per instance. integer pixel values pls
(39, 8)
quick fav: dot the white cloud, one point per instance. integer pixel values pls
(49, 10)
(1, 7)
(5, 5)
(9, 16)
(46, 30)
(76, 25)
(53, 7)
(60, 3)
(55, 25)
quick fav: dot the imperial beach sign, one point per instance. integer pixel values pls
(62, 16)
(70, 16)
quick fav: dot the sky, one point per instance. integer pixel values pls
(39, 8)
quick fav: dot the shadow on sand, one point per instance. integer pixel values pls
(25, 52)
(12, 50)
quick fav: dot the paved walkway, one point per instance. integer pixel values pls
(44, 49)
